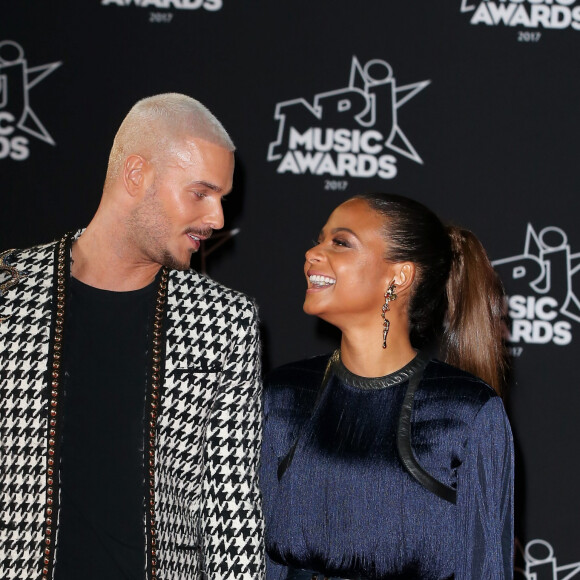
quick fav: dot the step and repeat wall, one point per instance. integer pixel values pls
(470, 106)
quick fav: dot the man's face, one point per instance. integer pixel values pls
(184, 204)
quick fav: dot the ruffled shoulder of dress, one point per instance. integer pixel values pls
(290, 391)
(304, 374)
(441, 379)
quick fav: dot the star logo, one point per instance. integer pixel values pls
(537, 562)
(466, 6)
(347, 131)
(17, 79)
(547, 266)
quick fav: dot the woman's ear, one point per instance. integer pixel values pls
(404, 274)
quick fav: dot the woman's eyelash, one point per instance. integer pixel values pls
(336, 241)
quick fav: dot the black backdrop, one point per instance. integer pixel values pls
(470, 106)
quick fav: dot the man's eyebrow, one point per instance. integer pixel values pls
(209, 185)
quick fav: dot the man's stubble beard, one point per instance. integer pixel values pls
(172, 263)
(149, 229)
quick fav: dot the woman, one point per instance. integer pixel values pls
(382, 462)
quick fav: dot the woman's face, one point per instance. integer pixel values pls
(346, 271)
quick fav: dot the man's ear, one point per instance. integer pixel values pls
(135, 171)
(404, 275)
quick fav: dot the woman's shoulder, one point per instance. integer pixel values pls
(291, 389)
(456, 397)
(443, 380)
(303, 374)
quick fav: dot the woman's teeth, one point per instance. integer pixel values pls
(317, 280)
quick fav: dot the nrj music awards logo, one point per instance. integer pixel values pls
(353, 131)
(550, 14)
(210, 5)
(541, 284)
(16, 114)
(538, 562)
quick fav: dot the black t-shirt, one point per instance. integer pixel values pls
(102, 510)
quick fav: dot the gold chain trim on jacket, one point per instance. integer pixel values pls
(54, 418)
(154, 399)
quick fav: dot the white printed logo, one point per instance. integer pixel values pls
(549, 14)
(540, 284)
(540, 563)
(348, 131)
(210, 5)
(16, 114)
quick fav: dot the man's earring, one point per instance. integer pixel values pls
(389, 295)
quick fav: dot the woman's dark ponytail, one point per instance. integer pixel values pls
(457, 298)
(472, 336)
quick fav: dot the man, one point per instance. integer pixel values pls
(130, 391)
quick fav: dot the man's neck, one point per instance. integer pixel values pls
(103, 262)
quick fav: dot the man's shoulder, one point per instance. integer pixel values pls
(190, 284)
(32, 261)
(37, 252)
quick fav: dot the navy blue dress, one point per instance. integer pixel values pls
(339, 501)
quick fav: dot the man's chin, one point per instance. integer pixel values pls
(174, 263)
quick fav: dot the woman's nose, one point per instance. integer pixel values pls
(313, 254)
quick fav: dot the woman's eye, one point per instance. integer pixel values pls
(199, 194)
(340, 242)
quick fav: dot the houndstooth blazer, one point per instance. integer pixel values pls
(208, 519)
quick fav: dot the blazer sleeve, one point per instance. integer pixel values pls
(485, 498)
(232, 521)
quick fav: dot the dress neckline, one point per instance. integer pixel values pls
(375, 383)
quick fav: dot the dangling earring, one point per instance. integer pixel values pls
(389, 295)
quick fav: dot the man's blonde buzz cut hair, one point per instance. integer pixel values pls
(155, 125)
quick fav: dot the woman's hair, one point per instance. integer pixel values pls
(457, 298)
